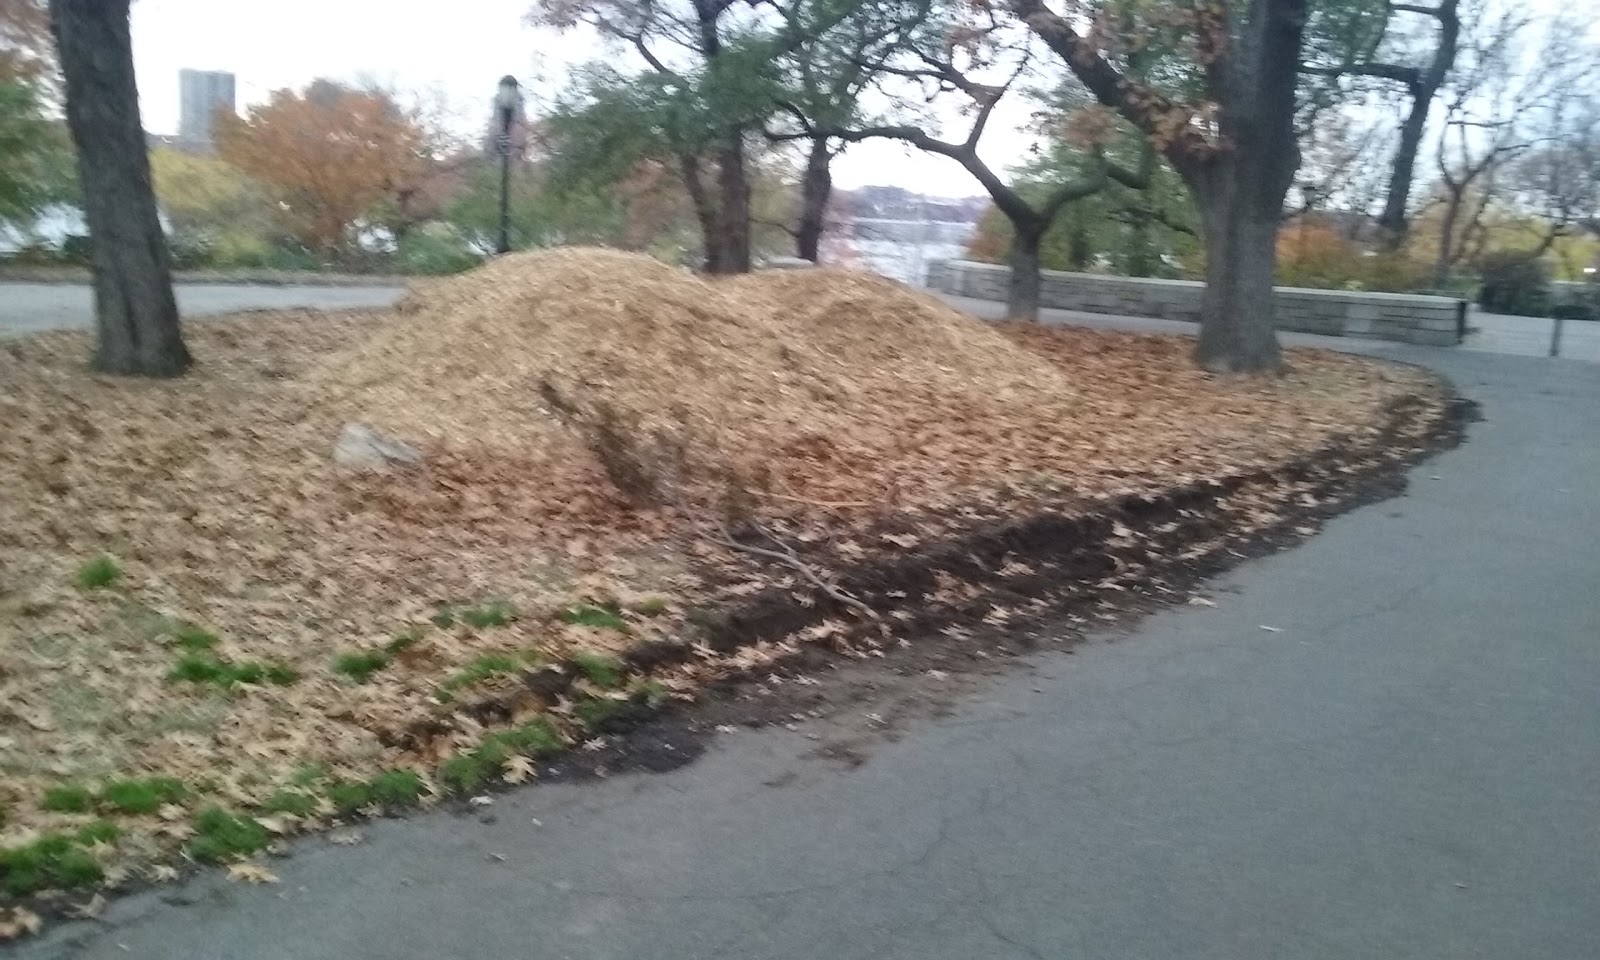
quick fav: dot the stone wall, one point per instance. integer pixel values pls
(1338, 313)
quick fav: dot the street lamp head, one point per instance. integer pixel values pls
(509, 97)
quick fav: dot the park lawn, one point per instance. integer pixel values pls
(212, 636)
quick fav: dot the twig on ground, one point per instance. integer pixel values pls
(785, 554)
(812, 503)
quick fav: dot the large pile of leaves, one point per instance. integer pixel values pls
(191, 589)
(760, 379)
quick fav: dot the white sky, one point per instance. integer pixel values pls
(454, 52)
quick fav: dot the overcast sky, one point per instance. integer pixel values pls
(454, 51)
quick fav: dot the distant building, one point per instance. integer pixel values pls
(201, 93)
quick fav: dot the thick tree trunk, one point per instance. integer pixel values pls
(733, 209)
(136, 317)
(1240, 191)
(1236, 315)
(1022, 293)
(815, 188)
(705, 211)
(1394, 221)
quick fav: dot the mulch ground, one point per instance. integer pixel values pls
(639, 486)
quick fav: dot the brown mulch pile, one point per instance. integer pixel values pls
(826, 395)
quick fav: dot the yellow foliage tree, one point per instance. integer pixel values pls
(329, 155)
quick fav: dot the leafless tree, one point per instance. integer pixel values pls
(1518, 88)
(980, 57)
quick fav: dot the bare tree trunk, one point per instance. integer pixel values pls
(1447, 241)
(733, 208)
(1394, 222)
(1423, 87)
(815, 189)
(1236, 311)
(705, 211)
(1022, 292)
(1240, 192)
(1251, 55)
(136, 316)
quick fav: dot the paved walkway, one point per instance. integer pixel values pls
(1404, 767)
(30, 307)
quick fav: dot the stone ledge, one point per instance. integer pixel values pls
(1409, 318)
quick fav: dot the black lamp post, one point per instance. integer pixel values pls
(507, 102)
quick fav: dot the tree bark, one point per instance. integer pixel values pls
(1236, 310)
(705, 211)
(733, 208)
(1022, 291)
(1250, 56)
(816, 186)
(1240, 190)
(136, 316)
(1447, 238)
(1395, 220)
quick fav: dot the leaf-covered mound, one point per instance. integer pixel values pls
(532, 354)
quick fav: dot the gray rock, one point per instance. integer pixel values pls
(363, 447)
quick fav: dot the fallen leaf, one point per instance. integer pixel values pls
(19, 922)
(346, 838)
(251, 873)
(89, 910)
(517, 769)
(1201, 602)
(483, 800)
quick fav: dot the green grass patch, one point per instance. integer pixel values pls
(68, 798)
(194, 638)
(221, 836)
(651, 692)
(348, 796)
(99, 573)
(296, 803)
(360, 665)
(397, 789)
(480, 669)
(605, 616)
(650, 606)
(601, 670)
(100, 831)
(465, 772)
(141, 795)
(494, 613)
(56, 861)
(594, 712)
(206, 668)
(403, 641)
(280, 675)
(308, 774)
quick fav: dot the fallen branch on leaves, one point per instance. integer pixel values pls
(785, 554)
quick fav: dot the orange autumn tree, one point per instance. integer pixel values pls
(328, 155)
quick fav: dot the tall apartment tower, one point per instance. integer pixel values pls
(201, 93)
